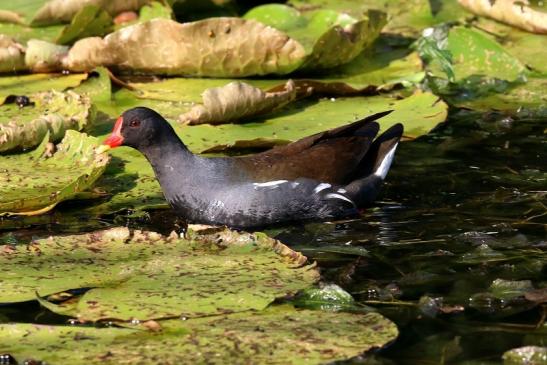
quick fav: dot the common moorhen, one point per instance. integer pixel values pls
(327, 175)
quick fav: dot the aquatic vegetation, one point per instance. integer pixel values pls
(453, 253)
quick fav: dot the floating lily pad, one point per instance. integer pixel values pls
(507, 289)
(329, 297)
(527, 355)
(527, 47)
(24, 8)
(486, 76)
(145, 275)
(419, 113)
(89, 21)
(475, 53)
(38, 180)
(405, 17)
(329, 38)
(528, 95)
(49, 112)
(62, 11)
(23, 33)
(30, 84)
(97, 87)
(154, 10)
(381, 66)
(280, 333)
(130, 184)
(224, 47)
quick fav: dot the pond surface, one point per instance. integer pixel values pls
(462, 207)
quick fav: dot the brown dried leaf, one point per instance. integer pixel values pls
(12, 55)
(211, 47)
(235, 101)
(513, 12)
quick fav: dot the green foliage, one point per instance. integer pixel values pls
(38, 180)
(528, 355)
(279, 333)
(432, 47)
(30, 84)
(144, 275)
(49, 112)
(88, 21)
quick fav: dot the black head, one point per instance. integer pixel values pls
(139, 128)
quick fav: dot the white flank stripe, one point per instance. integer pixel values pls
(269, 183)
(382, 170)
(338, 196)
(320, 187)
(342, 191)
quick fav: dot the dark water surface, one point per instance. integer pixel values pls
(463, 207)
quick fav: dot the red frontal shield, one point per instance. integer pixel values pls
(115, 139)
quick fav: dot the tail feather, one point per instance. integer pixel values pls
(374, 167)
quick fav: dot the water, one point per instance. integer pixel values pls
(462, 207)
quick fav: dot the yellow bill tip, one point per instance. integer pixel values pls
(102, 148)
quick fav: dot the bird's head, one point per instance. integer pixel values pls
(138, 127)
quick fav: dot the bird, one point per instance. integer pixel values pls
(329, 175)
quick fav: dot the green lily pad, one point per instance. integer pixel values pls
(53, 112)
(280, 333)
(97, 87)
(30, 84)
(24, 8)
(329, 297)
(226, 47)
(144, 275)
(507, 289)
(130, 184)
(87, 22)
(18, 27)
(154, 10)
(382, 66)
(63, 11)
(527, 355)
(329, 38)
(527, 47)
(23, 33)
(35, 182)
(419, 113)
(528, 95)
(486, 75)
(405, 17)
(475, 53)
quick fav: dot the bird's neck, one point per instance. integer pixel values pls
(168, 156)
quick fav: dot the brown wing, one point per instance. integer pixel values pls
(329, 156)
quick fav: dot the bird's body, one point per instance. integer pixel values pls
(327, 175)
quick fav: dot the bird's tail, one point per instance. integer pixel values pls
(374, 167)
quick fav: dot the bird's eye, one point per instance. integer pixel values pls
(135, 123)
